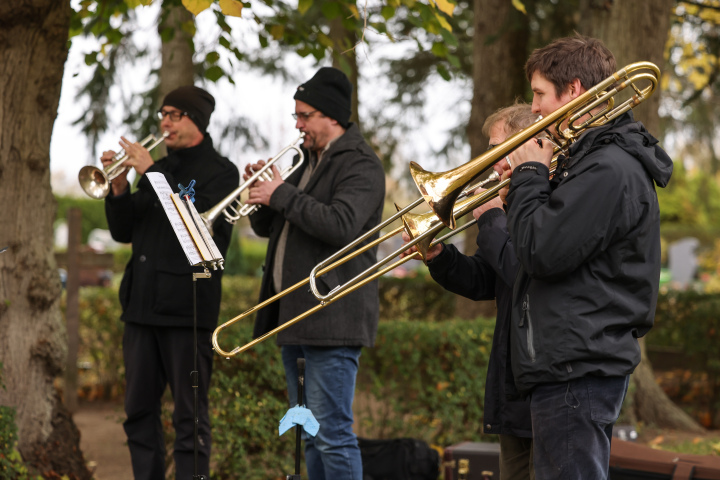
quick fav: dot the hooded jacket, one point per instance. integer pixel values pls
(588, 243)
(489, 274)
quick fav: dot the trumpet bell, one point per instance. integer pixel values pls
(94, 182)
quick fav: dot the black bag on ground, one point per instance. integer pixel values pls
(398, 459)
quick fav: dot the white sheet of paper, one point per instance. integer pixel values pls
(163, 190)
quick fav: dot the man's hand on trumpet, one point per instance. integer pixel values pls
(484, 207)
(535, 150)
(429, 255)
(262, 189)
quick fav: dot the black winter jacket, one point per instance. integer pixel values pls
(489, 274)
(342, 200)
(157, 286)
(588, 242)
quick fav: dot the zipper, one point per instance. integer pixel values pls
(529, 332)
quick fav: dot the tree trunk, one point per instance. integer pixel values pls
(637, 30)
(177, 68)
(345, 58)
(33, 49)
(499, 53)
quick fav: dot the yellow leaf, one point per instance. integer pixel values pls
(136, 3)
(277, 31)
(444, 6)
(231, 7)
(196, 6)
(519, 6)
(354, 11)
(443, 23)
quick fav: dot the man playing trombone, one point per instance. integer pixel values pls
(334, 197)
(156, 292)
(486, 275)
(588, 244)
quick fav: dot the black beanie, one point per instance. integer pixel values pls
(330, 91)
(198, 103)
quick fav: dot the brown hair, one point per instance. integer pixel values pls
(515, 118)
(568, 58)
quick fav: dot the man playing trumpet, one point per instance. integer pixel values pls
(333, 198)
(156, 292)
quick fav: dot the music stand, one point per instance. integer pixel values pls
(201, 251)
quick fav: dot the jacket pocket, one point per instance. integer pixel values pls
(526, 322)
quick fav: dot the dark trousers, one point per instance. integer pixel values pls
(155, 357)
(516, 458)
(572, 426)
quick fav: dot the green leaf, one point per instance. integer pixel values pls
(454, 60)
(387, 12)
(439, 49)
(331, 10)
(304, 6)
(167, 34)
(263, 40)
(449, 38)
(212, 57)
(90, 58)
(214, 73)
(443, 72)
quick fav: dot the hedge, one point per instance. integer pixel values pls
(424, 379)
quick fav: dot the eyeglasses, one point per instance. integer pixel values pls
(175, 116)
(304, 115)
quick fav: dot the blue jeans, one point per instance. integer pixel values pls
(572, 427)
(333, 454)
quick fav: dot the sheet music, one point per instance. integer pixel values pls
(163, 190)
(209, 242)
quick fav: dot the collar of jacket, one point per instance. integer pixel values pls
(347, 141)
(200, 150)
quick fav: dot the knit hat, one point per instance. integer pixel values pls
(330, 91)
(198, 103)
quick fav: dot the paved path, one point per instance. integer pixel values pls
(102, 440)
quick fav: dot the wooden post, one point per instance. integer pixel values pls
(72, 317)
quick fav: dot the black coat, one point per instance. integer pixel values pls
(157, 286)
(342, 200)
(588, 242)
(489, 274)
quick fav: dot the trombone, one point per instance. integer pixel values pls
(232, 207)
(441, 190)
(432, 224)
(96, 182)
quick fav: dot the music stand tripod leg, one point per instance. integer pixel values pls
(194, 375)
(298, 428)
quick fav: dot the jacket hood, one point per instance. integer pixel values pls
(632, 137)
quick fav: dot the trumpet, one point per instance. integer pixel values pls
(441, 190)
(96, 182)
(232, 206)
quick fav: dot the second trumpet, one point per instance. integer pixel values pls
(232, 206)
